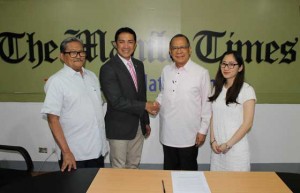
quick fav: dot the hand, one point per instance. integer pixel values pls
(223, 148)
(69, 162)
(215, 147)
(148, 131)
(200, 139)
(152, 107)
(156, 104)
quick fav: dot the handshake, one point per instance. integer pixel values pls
(152, 107)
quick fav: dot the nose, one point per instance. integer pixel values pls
(126, 45)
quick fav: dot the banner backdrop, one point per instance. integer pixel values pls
(265, 32)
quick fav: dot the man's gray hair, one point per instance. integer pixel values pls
(64, 43)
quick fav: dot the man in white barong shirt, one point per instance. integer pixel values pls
(184, 108)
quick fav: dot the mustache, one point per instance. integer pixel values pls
(78, 60)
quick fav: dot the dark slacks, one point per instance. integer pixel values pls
(91, 163)
(180, 158)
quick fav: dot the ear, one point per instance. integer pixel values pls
(241, 68)
(114, 44)
(62, 57)
(171, 56)
(190, 50)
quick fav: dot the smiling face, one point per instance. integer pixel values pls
(125, 45)
(230, 68)
(74, 63)
(180, 51)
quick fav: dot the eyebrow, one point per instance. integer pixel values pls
(125, 40)
(74, 51)
(229, 61)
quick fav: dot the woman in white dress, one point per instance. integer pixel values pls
(233, 105)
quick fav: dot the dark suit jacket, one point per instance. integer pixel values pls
(125, 106)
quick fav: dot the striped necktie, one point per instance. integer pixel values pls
(133, 74)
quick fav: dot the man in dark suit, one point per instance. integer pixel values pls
(123, 84)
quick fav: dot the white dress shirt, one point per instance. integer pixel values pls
(76, 99)
(185, 109)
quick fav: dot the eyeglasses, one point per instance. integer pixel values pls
(74, 54)
(230, 65)
(177, 48)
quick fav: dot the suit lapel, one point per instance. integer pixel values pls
(124, 69)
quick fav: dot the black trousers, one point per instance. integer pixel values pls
(180, 158)
(91, 163)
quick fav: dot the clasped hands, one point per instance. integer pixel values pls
(152, 107)
(223, 148)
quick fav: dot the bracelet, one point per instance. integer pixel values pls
(212, 141)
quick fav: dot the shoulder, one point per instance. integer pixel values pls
(197, 67)
(168, 67)
(90, 73)
(55, 82)
(57, 77)
(113, 59)
(247, 92)
(139, 66)
(110, 68)
(199, 72)
(136, 60)
(247, 87)
(108, 64)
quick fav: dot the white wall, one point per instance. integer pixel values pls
(274, 137)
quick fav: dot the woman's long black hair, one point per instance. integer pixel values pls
(234, 90)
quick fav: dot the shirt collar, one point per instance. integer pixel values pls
(186, 67)
(125, 60)
(72, 72)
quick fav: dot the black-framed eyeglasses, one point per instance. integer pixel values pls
(74, 54)
(177, 48)
(230, 65)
